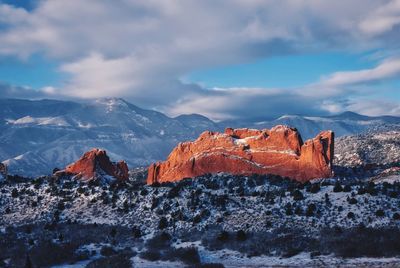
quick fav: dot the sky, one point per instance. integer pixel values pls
(223, 59)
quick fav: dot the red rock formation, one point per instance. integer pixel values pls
(3, 170)
(278, 151)
(96, 162)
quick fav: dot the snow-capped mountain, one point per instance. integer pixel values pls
(37, 136)
(347, 123)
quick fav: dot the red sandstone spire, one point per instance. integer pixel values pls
(96, 161)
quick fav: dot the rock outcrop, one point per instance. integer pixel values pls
(3, 170)
(278, 151)
(95, 163)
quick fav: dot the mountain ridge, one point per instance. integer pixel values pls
(38, 135)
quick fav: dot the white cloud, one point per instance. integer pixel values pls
(389, 68)
(382, 19)
(139, 49)
(374, 107)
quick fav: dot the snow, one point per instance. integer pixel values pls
(41, 121)
(34, 145)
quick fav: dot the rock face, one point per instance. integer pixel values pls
(3, 169)
(278, 151)
(96, 163)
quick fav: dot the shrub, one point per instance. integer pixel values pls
(298, 211)
(347, 188)
(289, 211)
(48, 254)
(223, 236)
(297, 195)
(151, 255)
(380, 213)
(113, 232)
(350, 215)
(107, 251)
(159, 241)
(163, 223)
(310, 210)
(396, 216)
(144, 192)
(174, 192)
(371, 188)
(136, 232)
(116, 261)
(241, 235)
(187, 255)
(197, 218)
(338, 187)
(14, 193)
(60, 205)
(315, 187)
(352, 201)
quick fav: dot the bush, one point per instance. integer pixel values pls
(350, 215)
(144, 192)
(347, 188)
(48, 254)
(197, 218)
(380, 213)
(187, 255)
(310, 210)
(136, 232)
(352, 201)
(163, 223)
(297, 195)
(60, 205)
(241, 235)
(174, 192)
(338, 187)
(363, 242)
(116, 261)
(371, 188)
(14, 193)
(288, 211)
(151, 255)
(107, 251)
(159, 241)
(396, 216)
(315, 187)
(223, 236)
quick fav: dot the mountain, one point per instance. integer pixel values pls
(347, 123)
(36, 136)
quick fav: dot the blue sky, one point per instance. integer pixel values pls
(281, 71)
(224, 61)
(35, 72)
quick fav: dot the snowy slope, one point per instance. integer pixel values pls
(37, 136)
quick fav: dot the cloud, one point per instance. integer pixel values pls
(242, 103)
(139, 49)
(374, 107)
(10, 91)
(382, 19)
(389, 68)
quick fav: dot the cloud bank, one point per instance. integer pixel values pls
(139, 50)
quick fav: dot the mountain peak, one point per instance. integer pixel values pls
(351, 116)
